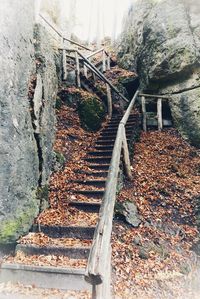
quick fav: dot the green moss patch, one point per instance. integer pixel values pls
(16, 225)
(91, 113)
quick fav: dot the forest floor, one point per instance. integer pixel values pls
(153, 261)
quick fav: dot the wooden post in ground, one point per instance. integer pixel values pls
(144, 114)
(85, 70)
(104, 60)
(103, 290)
(108, 63)
(109, 98)
(159, 114)
(78, 80)
(64, 61)
(127, 162)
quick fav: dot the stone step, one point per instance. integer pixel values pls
(112, 136)
(100, 166)
(103, 147)
(77, 232)
(114, 131)
(107, 141)
(99, 183)
(98, 174)
(99, 159)
(70, 252)
(90, 193)
(90, 207)
(44, 276)
(100, 153)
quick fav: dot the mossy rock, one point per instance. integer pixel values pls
(91, 113)
(58, 161)
(18, 224)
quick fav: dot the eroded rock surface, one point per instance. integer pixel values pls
(161, 40)
(26, 125)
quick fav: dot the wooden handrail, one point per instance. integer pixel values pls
(154, 96)
(99, 257)
(60, 33)
(95, 53)
(101, 76)
(76, 43)
(53, 26)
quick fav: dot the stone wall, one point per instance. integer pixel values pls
(161, 39)
(26, 118)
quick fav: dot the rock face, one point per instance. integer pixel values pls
(129, 211)
(26, 119)
(161, 40)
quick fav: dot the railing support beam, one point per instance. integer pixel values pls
(109, 98)
(159, 114)
(78, 80)
(104, 60)
(144, 114)
(127, 163)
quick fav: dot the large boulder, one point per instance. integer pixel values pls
(26, 118)
(162, 41)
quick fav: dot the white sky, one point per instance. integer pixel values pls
(109, 13)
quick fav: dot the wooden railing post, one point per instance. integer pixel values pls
(78, 80)
(127, 163)
(85, 70)
(144, 114)
(104, 60)
(64, 61)
(108, 63)
(159, 114)
(101, 76)
(109, 98)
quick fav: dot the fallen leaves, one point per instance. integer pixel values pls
(42, 240)
(46, 260)
(67, 217)
(164, 188)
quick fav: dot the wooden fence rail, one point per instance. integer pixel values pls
(159, 99)
(99, 261)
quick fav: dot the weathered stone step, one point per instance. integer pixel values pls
(91, 207)
(70, 252)
(44, 276)
(107, 141)
(106, 136)
(77, 232)
(90, 193)
(99, 159)
(104, 147)
(116, 121)
(119, 117)
(98, 174)
(114, 131)
(99, 166)
(99, 183)
(100, 153)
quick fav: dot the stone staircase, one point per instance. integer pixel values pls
(91, 191)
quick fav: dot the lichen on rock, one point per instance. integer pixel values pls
(161, 39)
